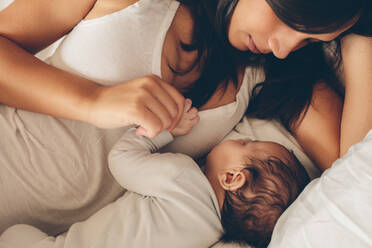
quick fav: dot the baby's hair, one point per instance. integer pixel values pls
(250, 213)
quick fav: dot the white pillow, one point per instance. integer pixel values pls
(264, 130)
(334, 210)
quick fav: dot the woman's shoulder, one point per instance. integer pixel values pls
(31, 31)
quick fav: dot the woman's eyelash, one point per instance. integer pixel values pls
(312, 40)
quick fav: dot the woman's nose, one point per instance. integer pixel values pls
(282, 44)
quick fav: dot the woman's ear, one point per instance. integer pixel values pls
(232, 180)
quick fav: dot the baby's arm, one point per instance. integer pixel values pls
(135, 164)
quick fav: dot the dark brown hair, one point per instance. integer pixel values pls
(249, 214)
(287, 89)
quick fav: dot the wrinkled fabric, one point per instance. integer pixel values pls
(263, 130)
(169, 203)
(334, 210)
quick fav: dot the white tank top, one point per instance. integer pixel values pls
(120, 46)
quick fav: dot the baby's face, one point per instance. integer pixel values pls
(234, 153)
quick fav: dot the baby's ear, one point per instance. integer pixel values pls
(232, 180)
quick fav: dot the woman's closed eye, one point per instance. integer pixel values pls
(305, 42)
(312, 40)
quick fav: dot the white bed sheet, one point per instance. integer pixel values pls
(334, 211)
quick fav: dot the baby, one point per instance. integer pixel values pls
(170, 202)
(254, 182)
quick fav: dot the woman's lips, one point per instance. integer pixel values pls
(252, 46)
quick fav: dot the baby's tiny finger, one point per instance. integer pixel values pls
(188, 104)
(140, 131)
(196, 119)
(193, 112)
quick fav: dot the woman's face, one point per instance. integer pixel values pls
(255, 27)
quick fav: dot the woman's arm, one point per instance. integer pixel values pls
(357, 112)
(328, 128)
(318, 132)
(25, 82)
(27, 27)
(34, 25)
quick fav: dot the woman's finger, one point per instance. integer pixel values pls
(188, 105)
(150, 122)
(155, 88)
(178, 98)
(193, 112)
(157, 108)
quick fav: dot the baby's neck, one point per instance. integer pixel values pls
(216, 186)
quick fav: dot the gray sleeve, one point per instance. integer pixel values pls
(137, 167)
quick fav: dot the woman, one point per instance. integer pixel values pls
(285, 26)
(58, 166)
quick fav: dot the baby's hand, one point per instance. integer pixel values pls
(189, 119)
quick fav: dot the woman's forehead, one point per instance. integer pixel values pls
(317, 16)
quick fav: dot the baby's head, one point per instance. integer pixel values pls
(254, 182)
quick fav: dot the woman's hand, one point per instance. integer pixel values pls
(357, 112)
(148, 102)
